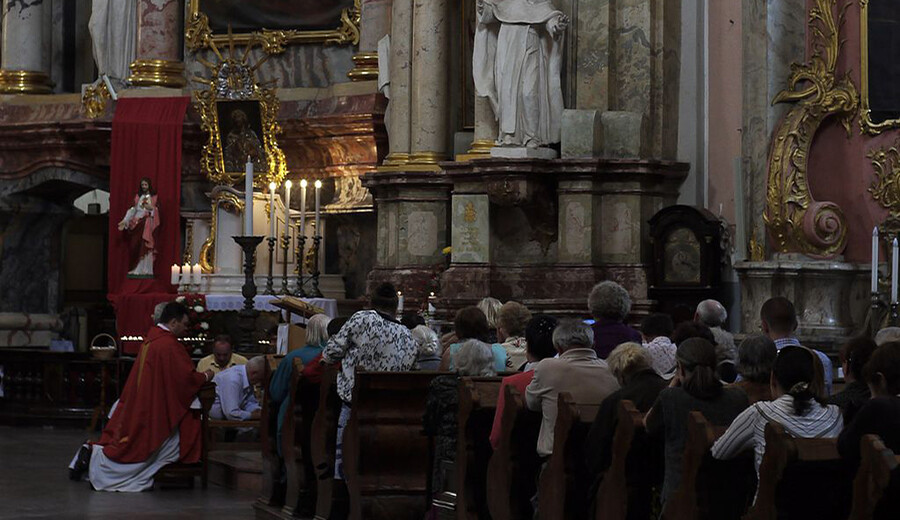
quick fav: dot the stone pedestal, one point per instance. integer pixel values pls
(158, 62)
(544, 231)
(22, 64)
(831, 298)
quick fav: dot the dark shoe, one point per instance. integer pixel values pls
(82, 463)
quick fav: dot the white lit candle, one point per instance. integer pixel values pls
(894, 272)
(176, 274)
(303, 207)
(875, 260)
(287, 206)
(272, 188)
(195, 274)
(186, 274)
(248, 198)
(318, 202)
(399, 297)
(431, 308)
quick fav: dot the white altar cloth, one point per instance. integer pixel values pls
(263, 302)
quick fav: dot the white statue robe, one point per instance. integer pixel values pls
(516, 65)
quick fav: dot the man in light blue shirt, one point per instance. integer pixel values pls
(779, 322)
(235, 400)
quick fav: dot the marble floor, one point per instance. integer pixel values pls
(34, 483)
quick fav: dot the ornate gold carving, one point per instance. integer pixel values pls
(95, 99)
(188, 256)
(230, 202)
(198, 35)
(796, 221)
(157, 73)
(24, 82)
(234, 79)
(756, 249)
(365, 67)
(865, 112)
(885, 188)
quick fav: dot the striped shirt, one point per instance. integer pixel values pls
(749, 428)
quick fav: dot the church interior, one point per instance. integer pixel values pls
(473, 259)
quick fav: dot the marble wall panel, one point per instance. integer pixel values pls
(422, 232)
(593, 46)
(470, 231)
(621, 229)
(519, 237)
(393, 234)
(298, 66)
(576, 228)
(381, 234)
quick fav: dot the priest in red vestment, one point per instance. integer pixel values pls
(153, 424)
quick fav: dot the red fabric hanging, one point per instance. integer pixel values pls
(146, 142)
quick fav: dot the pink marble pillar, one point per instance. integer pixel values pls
(158, 61)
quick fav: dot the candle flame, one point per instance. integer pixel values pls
(272, 186)
(302, 183)
(287, 184)
(318, 184)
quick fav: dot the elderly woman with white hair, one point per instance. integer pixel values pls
(474, 358)
(610, 304)
(280, 385)
(429, 357)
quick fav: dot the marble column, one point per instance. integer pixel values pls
(375, 22)
(401, 74)
(430, 83)
(160, 28)
(22, 49)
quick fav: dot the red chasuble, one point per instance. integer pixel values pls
(156, 400)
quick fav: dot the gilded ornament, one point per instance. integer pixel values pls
(230, 202)
(867, 125)
(797, 222)
(95, 99)
(470, 214)
(198, 34)
(885, 188)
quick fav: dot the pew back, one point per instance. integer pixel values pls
(801, 478)
(270, 494)
(324, 437)
(613, 494)
(477, 405)
(295, 439)
(385, 452)
(565, 481)
(878, 470)
(512, 470)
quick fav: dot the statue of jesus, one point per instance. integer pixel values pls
(140, 223)
(517, 58)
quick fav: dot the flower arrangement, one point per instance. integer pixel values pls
(198, 313)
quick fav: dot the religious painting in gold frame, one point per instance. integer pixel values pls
(272, 24)
(879, 28)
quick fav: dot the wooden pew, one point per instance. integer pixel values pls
(324, 437)
(801, 478)
(877, 468)
(564, 483)
(385, 453)
(514, 466)
(613, 494)
(477, 405)
(710, 489)
(179, 471)
(271, 494)
(295, 446)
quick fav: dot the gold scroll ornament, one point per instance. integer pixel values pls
(797, 222)
(885, 188)
(229, 202)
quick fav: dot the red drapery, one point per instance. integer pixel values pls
(146, 142)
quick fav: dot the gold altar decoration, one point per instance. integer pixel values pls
(157, 73)
(885, 188)
(797, 222)
(867, 125)
(24, 82)
(365, 67)
(198, 34)
(230, 202)
(233, 79)
(95, 99)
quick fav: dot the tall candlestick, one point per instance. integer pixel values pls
(318, 203)
(176, 274)
(303, 208)
(875, 260)
(272, 188)
(287, 206)
(248, 198)
(894, 255)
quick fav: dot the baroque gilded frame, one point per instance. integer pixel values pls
(867, 125)
(198, 34)
(229, 201)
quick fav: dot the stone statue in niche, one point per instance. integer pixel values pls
(517, 59)
(140, 224)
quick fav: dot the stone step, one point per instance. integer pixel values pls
(236, 470)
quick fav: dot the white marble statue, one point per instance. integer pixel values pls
(516, 64)
(113, 28)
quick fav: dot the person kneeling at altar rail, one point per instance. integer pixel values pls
(235, 399)
(223, 356)
(154, 423)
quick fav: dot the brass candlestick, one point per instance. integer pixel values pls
(270, 284)
(314, 291)
(285, 244)
(298, 270)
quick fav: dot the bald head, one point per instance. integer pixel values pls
(255, 369)
(711, 313)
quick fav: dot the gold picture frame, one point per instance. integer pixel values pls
(866, 123)
(198, 34)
